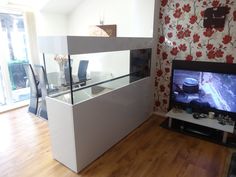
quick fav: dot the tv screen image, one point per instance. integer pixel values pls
(216, 91)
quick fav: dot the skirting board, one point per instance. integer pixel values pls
(162, 114)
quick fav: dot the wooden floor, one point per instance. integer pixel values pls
(150, 151)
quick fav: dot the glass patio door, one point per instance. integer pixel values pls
(2, 94)
(13, 55)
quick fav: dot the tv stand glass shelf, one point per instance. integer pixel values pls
(206, 122)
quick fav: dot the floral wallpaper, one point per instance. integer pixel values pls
(182, 36)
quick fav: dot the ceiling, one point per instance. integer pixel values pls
(54, 6)
(28, 3)
(61, 6)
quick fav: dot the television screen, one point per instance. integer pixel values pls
(208, 90)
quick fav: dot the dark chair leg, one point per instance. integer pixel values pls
(33, 105)
(43, 110)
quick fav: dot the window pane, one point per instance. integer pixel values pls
(13, 42)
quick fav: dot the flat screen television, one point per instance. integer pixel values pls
(204, 87)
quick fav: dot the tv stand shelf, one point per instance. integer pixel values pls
(206, 122)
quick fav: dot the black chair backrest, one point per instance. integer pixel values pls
(42, 79)
(82, 70)
(67, 72)
(31, 79)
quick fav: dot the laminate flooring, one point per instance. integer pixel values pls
(149, 151)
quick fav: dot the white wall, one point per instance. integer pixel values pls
(133, 18)
(89, 12)
(51, 24)
(142, 18)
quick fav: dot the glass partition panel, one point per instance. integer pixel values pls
(97, 67)
(57, 75)
(95, 73)
(89, 92)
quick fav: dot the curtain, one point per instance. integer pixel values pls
(30, 27)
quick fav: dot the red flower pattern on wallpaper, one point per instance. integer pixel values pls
(160, 15)
(178, 13)
(229, 59)
(189, 58)
(164, 55)
(164, 2)
(159, 73)
(202, 13)
(177, 5)
(187, 33)
(193, 19)
(196, 38)
(208, 32)
(170, 35)
(182, 24)
(183, 47)
(167, 20)
(162, 88)
(180, 35)
(215, 3)
(167, 70)
(209, 46)
(227, 39)
(162, 39)
(198, 54)
(186, 8)
(165, 101)
(179, 27)
(219, 53)
(174, 51)
(211, 54)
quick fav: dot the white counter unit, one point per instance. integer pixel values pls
(100, 115)
(82, 45)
